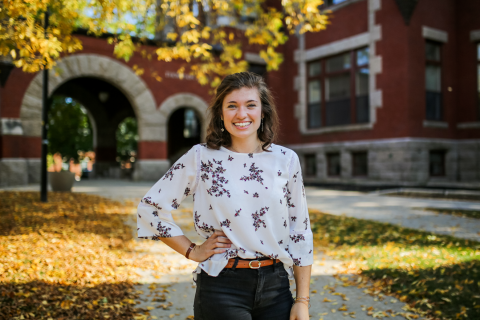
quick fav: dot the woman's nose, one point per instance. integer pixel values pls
(242, 112)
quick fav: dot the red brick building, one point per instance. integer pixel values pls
(389, 94)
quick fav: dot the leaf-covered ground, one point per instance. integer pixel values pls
(457, 212)
(439, 276)
(70, 258)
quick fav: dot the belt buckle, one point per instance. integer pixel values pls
(259, 264)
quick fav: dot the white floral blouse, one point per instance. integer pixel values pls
(257, 199)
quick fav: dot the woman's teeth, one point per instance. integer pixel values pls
(241, 124)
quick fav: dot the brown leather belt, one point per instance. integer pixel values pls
(252, 264)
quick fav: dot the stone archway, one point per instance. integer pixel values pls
(108, 69)
(182, 100)
(150, 120)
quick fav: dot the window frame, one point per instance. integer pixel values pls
(307, 171)
(444, 156)
(327, 3)
(322, 78)
(356, 174)
(440, 65)
(328, 155)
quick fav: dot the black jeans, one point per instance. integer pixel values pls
(244, 294)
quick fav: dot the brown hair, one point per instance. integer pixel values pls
(215, 137)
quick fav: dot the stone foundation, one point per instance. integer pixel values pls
(13, 172)
(401, 162)
(150, 170)
(34, 170)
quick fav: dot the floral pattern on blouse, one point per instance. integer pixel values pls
(255, 174)
(273, 224)
(170, 172)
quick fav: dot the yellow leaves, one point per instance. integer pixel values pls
(127, 18)
(343, 308)
(124, 47)
(66, 304)
(172, 36)
(138, 71)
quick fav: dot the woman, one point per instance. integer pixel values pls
(249, 205)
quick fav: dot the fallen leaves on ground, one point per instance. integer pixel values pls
(70, 258)
(456, 212)
(438, 276)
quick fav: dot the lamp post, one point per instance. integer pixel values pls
(43, 179)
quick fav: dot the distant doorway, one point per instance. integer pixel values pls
(183, 132)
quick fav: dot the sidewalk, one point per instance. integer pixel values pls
(403, 211)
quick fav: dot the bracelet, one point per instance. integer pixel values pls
(190, 249)
(303, 298)
(303, 301)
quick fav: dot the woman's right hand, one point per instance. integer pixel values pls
(216, 243)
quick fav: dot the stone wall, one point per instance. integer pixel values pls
(400, 162)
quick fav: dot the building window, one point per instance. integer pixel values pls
(333, 2)
(191, 125)
(437, 163)
(311, 165)
(433, 80)
(338, 88)
(259, 69)
(314, 95)
(360, 164)
(333, 165)
(478, 81)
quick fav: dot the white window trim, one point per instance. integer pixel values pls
(469, 125)
(435, 124)
(254, 58)
(302, 57)
(332, 48)
(435, 34)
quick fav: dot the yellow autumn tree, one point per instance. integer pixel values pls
(207, 34)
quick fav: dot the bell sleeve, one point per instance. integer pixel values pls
(154, 217)
(300, 244)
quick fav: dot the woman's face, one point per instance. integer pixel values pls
(242, 113)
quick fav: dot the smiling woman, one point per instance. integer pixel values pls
(249, 206)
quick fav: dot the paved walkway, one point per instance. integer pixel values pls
(407, 212)
(332, 297)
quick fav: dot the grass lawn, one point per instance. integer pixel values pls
(461, 197)
(456, 212)
(70, 258)
(438, 276)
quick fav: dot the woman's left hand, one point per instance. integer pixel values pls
(299, 312)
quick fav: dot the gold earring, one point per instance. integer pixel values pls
(222, 127)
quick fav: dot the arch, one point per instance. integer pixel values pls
(181, 100)
(105, 68)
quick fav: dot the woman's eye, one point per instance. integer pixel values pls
(251, 105)
(231, 106)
